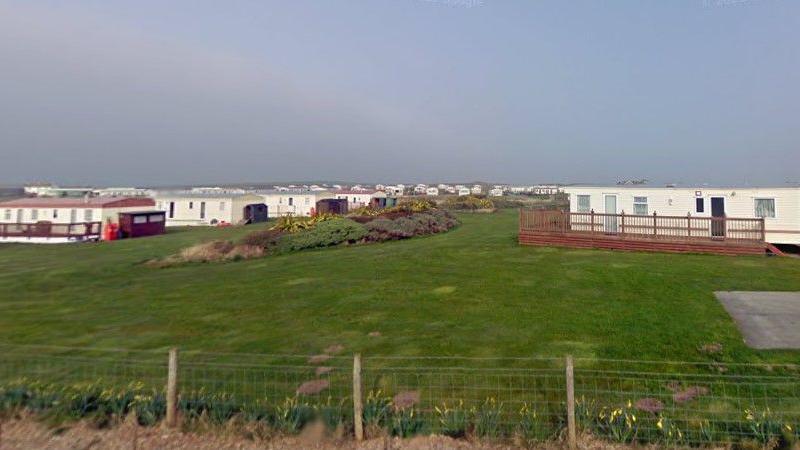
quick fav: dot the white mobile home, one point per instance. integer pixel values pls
(780, 206)
(294, 202)
(192, 208)
(54, 220)
(357, 198)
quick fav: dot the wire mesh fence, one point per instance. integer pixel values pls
(521, 399)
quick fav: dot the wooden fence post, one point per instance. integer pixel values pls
(655, 224)
(623, 222)
(591, 216)
(571, 403)
(689, 224)
(763, 231)
(172, 388)
(358, 407)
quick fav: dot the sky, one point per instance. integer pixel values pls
(150, 92)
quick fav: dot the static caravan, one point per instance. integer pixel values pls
(56, 220)
(357, 198)
(192, 208)
(779, 207)
(294, 202)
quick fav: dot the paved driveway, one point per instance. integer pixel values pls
(768, 320)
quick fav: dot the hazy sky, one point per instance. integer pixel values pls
(160, 92)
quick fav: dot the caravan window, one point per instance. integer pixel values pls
(700, 205)
(88, 215)
(640, 206)
(765, 207)
(584, 203)
(7, 215)
(34, 215)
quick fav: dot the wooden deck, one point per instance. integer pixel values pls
(46, 230)
(677, 234)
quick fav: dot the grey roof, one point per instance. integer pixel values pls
(288, 192)
(199, 194)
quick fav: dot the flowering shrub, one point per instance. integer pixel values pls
(618, 424)
(324, 234)
(453, 421)
(468, 202)
(532, 427)
(487, 418)
(419, 224)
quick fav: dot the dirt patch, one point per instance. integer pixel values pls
(374, 334)
(334, 349)
(214, 251)
(245, 252)
(651, 405)
(405, 399)
(318, 359)
(322, 370)
(711, 349)
(26, 434)
(689, 394)
(313, 387)
(206, 252)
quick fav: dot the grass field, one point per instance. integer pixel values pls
(470, 292)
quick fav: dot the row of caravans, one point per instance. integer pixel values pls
(779, 207)
(193, 208)
(48, 219)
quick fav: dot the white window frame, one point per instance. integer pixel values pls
(88, 215)
(774, 207)
(34, 215)
(637, 202)
(222, 206)
(7, 215)
(578, 203)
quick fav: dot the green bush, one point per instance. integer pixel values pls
(468, 202)
(323, 234)
(265, 239)
(419, 224)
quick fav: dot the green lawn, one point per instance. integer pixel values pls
(470, 292)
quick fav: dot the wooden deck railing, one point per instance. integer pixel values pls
(650, 227)
(82, 230)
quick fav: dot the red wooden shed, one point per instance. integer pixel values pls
(141, 223)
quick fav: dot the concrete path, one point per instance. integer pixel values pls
(768, 320)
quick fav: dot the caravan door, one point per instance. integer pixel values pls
(610, 222)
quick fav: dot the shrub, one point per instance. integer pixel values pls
(377, 409)
(245, 252)
(532, 427)
(292, 224)
(488, 418)
(468, 202)
(293, 415)
(618, 424)
(262, 238)
(206, 252)
(419, 224)
(507, 203)
(324, 234)
(453, 421)
(407, 423)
